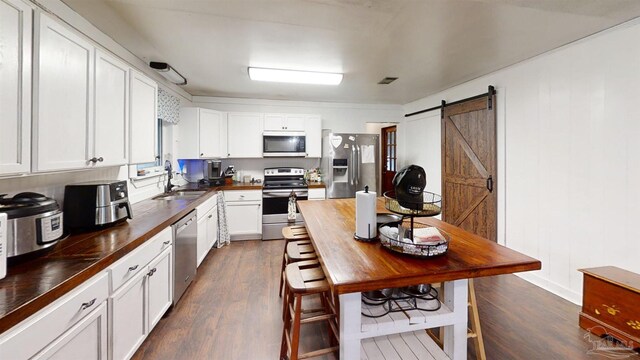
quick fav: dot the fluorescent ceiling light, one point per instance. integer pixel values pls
(294, 76)
(168, 72)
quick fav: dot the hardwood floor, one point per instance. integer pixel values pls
(232, 311)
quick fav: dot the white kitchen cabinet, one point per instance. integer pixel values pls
(86, 340)
(284, 122)
(139, 300)
(143, 119)
(244, 214)
(317, 194)
(74, 324)
(63, 97)
(203, 134)
(207, 227)
(16, 19)
(110, 145)
(160, 292)
(212, 228)
(313, 130)
(244, 135)
(127, 313)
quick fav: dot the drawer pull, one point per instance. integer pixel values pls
(88, 304)
(210, 216)
(167, 242)
(132, 268)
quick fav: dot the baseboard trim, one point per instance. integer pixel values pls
(552, 287)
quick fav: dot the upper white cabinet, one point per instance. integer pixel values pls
(245, 135)
(203, 134)
(15, 88)
(313, 130)
(143, 103)
(63, 95)
(284, 122)
(110, 145)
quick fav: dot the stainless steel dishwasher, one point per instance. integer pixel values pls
(185, 234)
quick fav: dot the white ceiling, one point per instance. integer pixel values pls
(430, 45)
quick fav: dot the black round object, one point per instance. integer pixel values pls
(27, 204)
(409, 183)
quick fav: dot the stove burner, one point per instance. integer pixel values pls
(382, 302)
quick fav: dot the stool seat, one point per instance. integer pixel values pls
(295, 233)
(296, 252)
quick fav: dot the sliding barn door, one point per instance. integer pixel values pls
(469, 192)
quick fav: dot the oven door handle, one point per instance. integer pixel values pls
(283, 193)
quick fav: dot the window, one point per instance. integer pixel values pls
(158, 162)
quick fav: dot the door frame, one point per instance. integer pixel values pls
(383, 153)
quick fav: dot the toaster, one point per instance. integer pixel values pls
(96, 204)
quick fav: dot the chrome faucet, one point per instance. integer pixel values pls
(169, 168)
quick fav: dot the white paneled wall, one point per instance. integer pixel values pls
(568, 153)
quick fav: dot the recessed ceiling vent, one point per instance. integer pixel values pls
(388, 80)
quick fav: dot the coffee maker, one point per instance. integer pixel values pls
(213, 173)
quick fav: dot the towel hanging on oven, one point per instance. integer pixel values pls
(291, 208)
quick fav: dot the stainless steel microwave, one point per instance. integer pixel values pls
(284, 143)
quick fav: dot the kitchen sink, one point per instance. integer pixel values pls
(180, 195)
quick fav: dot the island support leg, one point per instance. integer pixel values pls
(350, 326)
(455, 336)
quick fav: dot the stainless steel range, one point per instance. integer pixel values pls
(279, 184)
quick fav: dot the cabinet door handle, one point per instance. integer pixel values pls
(132, 268)
(100, 159)
(93, 160)
(88, 304)
(151, 272)
(210, 216)
(201, 154)
(167, 242)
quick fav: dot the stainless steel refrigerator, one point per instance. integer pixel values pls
(349, 163)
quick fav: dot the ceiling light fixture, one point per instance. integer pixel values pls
(168, 72)
(294, 76)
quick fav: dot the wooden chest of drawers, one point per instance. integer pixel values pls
(611, 304)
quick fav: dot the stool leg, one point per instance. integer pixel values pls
(285, 304)
(284, 265)
(286, 325)
(476, 332)
(295, 333)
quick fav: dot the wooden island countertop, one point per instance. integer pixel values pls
(354, 266)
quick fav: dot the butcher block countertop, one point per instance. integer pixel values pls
(354, 266)
(31, 285)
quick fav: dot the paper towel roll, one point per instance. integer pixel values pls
(366, 215)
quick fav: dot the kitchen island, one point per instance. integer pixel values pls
(353, 267)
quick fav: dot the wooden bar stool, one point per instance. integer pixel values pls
(296, 249)
(300, 283)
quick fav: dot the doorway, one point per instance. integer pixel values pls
(469, 188)
(389, 157)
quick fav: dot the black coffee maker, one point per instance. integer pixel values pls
(409, 184)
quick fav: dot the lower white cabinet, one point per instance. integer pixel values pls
(160, 291)
(207, 227)
(86, 340)
(136, 306)
(317, 194)
(74, 324)
(127, 313)
(244, 214)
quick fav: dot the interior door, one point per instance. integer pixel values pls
(469, 166)
(389, 157)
